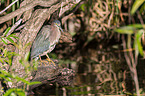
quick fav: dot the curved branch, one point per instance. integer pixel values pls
(25, 8)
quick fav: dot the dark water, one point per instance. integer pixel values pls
(103, 71)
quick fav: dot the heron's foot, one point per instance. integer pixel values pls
(49, 60)
(43, 62)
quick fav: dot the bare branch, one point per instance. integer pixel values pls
(8, 6)
(14, 26)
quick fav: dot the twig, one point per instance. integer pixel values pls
(132, 67)
(140, 18)
(8, 6)
(126, 56)
(73, 10)
(19, 28)
(14, 26)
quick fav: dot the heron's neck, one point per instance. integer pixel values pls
(55, 35)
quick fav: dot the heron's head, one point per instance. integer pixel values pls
(58, 24)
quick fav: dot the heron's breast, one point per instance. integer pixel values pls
(54, 36)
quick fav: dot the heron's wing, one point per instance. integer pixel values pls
(41, 43)
(44, 32)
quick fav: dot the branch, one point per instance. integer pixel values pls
(8, 6)
(25, 8)
(28, 35)
(29, 32)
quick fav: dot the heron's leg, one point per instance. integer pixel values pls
(50, 60)
(42, 61)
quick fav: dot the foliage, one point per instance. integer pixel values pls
(137, 4)
(137, 30)
(6, 63)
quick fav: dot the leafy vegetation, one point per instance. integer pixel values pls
(6, 62)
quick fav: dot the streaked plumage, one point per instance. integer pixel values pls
(46, 39)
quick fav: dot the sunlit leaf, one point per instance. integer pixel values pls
(137, 43)
(1, 60)
(136, 5)
(138, 39)
(11, 40)
(36, 82)
(130, 29)
(138, 26)
(4, 41)
(21, 79)
(20, 92)
(8, 92)
(142, 8)
(125, 30)
(26, 58)
(6, 61)
(5, 52)
(83, 7)
(13, 35)
(5, 75)
(7, 30)
(14, 92)
(2, 76)
(136, 48)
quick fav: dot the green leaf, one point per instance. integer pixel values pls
(138, 38)
(7, 30)
(83, 7)
(137, 26)
(20, 92)
(5, 75)
(14, 92)
(130, 29)
(26, 58)
(36, 82)
(137, 42)
(142, 8)
(8, 92)
(10, 39)
(125, 30)
(2, 1)
(21, 79)
(13, 35)
(1, 60)
(136, 5)
(5, 52)
(4, 72)
(4, 41)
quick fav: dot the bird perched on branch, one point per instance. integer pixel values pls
(46, 40)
